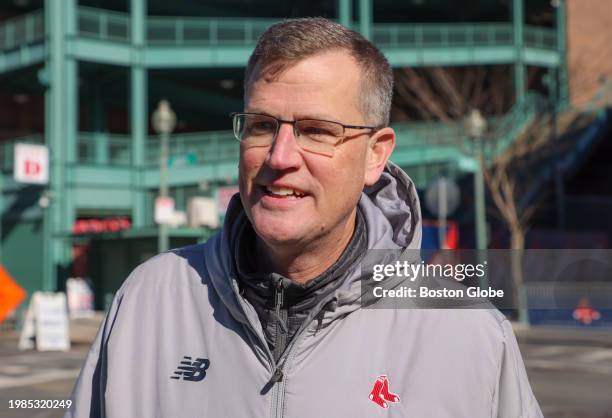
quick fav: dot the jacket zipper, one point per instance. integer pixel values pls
(281, 323)
(279, 347)
(278, 390)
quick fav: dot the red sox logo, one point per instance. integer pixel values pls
(380, 394)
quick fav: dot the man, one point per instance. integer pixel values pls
(265, 319)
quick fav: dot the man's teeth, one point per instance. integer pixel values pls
(282, 191)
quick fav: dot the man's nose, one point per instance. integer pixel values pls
(285, 152)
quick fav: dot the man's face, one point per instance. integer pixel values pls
(325, 86)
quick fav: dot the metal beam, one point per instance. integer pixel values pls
(345, 12)
(460, 56)
(99, 176)
(561, 27)
(139, 114)
(196, 56)
(25, 56)
(190, 175)
(541, 57)
(102, 199)
(58, 98)
(518, 24)
(365, 18)
(102, 52)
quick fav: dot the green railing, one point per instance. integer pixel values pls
(195, 148)
(538, 37)
(178, 30)
(458, 35)
(436, 133)
(115, 26)
(435, 35)
(103, 24)
(7, 149)
(97, 148)
(22, 30)
(104, 149)
(506, 130)
(221, 146)
(193, 30)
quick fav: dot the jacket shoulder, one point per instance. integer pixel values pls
(176, 267)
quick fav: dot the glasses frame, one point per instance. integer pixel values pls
(293, 122)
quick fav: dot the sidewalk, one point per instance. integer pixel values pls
(586, 337)
(82, 333)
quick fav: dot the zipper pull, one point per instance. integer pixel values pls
(279, 298)
(277, 376)
(279, 295)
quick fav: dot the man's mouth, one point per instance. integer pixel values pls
(283, 192)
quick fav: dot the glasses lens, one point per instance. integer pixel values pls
(255, 129)
(319, 136)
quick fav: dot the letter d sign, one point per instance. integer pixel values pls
(31, 164)
(32, 168)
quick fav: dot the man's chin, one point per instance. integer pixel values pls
(281, 230)
(280, 236)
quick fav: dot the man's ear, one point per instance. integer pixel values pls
(380, 147)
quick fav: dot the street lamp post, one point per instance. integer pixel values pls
(475, 126)
(164, 120)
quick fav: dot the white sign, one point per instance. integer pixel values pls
(164, 210)
(442, 197)
(31, 164)
(202, 211)
(46, 323)
(80, 297)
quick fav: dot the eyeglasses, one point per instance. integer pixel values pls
(318, 136)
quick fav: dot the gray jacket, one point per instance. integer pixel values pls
(180, 341)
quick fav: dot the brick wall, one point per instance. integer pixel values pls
(589, 47)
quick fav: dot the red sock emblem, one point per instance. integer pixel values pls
(380, 394)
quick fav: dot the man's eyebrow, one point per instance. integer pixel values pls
(259, 111)
(316, 116)
(300, 116)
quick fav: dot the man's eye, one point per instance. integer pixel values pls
(316, 131)
(261, 127)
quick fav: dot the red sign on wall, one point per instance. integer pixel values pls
(93, 225)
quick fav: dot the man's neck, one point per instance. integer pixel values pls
(303, 263)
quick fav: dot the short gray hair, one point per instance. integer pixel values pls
(293, 40)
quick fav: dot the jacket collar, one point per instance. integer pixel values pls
(392, 215)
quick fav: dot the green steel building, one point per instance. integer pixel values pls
(84, 76)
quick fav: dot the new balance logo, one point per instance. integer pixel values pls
(191, 371)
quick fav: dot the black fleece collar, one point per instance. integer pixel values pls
(258, 286)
